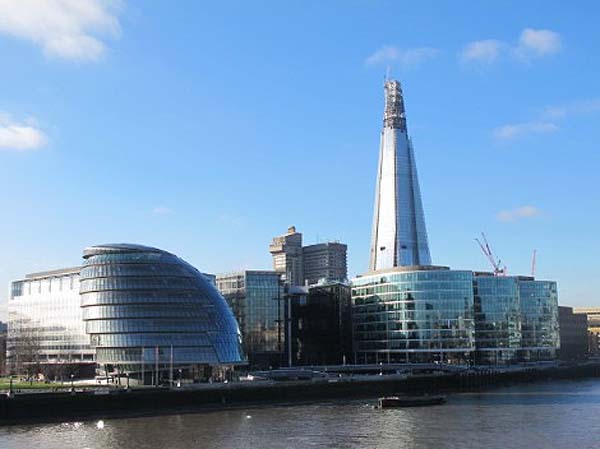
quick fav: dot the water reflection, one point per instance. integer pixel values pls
(546, 415)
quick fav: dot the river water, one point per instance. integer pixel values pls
(562, 414)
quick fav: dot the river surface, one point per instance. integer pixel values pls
(562, 414)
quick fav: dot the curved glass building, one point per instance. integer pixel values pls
(413, 314)
(430, 314)
(144, 306)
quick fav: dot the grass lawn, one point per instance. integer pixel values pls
(18, 385)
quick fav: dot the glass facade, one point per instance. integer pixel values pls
(399, 236)
(539, 311)
(413, 316)
(255, 299)
(321, 326)
(497, 319)
(45, 324)
(455, 316)
(142, 305)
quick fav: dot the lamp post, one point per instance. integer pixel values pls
(171, 369)
(279, 320)
(72, 386)
(10, 388)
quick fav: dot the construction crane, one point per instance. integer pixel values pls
(533, 261)
(499, 270)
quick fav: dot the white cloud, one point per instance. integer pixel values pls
(575, 108)
(512, 131)
(485, 51)
(538, 42)
(410, 57)
(69, 29)
(20, 136)
(548, 119)
(512, 215)
(532, 43)
(162, 211)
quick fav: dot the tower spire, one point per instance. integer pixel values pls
(393, 114)
(399, 237)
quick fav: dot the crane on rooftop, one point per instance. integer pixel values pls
(496, 263)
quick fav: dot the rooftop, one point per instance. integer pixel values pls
(119, 248)
(53, 273)
(407, 268)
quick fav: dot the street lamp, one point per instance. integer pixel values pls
(72, 387)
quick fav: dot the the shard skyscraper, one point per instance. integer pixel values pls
(399, 237)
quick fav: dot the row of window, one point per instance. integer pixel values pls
(432, 286)
(152, 340)
(145, 311)
(429, 317)
(147, 257)
(39, 286)
(133, 283)
(146, 325)
(163, 355)
(95, 271)
(459, 343)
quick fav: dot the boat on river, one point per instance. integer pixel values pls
(410, 401)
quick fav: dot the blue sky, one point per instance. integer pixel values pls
(207, 128)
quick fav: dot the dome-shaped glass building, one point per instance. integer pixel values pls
(143, 306)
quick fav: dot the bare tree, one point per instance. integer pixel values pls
(25, 353)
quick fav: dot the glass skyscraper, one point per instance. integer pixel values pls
(143, 306)
(255, 297)
(399, 237)
(406, 310)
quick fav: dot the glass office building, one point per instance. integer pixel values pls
(497, 319)
(430, 314)
(255, 297)
(321, 327)
(539, 315)
(45, 325)
(143, 306)
(413, 315)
